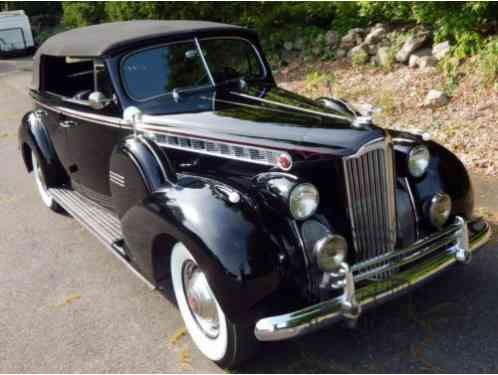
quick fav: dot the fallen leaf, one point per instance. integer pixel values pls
(185, 357)
(180, 332)
(69, 299)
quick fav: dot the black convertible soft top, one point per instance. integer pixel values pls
(105, 38)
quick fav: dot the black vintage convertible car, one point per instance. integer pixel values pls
(270, 214)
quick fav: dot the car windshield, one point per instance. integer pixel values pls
(231, 59)
(157, 71)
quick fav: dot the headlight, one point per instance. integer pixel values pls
(418, 160)
(303, 201)
(439, 209)
(330, 252)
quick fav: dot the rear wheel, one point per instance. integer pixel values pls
(47, 199)
(226, 343)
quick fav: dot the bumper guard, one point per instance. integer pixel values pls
(350, 304)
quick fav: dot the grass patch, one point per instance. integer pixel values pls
(488, 63)
(316, 80)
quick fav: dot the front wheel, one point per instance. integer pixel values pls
(223, 342)
(47, 199)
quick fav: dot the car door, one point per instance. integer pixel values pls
(92, 135)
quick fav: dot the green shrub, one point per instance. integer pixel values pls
(461, 23)
(83, 13)
(488, 62)
(360, 58)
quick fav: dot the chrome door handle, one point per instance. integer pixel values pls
(68, 124)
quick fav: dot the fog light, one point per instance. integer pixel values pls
(439, 209)
(330, 252)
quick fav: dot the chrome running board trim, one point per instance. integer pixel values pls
(99, 221)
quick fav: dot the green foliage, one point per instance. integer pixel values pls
(462, 23)
(488, 62)
(83, 13)
(315, 80)
(359, 58)
(46, 33)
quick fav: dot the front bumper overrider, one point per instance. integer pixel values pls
(452, 245)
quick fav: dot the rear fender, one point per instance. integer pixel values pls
(33, 136)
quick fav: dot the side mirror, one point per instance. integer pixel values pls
(98, 100)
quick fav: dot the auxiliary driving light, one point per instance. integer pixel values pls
(439, 209)
(330, 252)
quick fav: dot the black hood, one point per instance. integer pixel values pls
(268, 116)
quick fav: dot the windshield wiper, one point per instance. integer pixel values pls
(177, 93)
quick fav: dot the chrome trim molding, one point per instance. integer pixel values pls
(117, 179)
(308, 319)
(222, 149)
(414, 206)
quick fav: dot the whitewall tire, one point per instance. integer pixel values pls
(221, 341)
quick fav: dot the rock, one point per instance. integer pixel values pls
(413, 43)
(414, 60)
(375, 35)
(440, 50)
(299, 44)
(289, 46)
(359, 55)
(358, 30)
(384, 58)
(331, 38)
(436, 98)
(352, 38)
(426, 61)
(340, 53)
(372, 49)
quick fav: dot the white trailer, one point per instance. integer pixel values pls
(15, 32)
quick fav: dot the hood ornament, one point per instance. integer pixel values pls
(362, 122)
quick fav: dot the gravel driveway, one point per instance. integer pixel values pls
(67, 305)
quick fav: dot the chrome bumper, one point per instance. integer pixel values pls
(350, 304)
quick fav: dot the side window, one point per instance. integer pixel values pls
(66, 76)
(75, 79)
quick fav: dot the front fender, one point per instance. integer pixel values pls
(228, 240)
(446, 173)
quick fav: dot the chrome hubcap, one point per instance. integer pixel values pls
(200, 300)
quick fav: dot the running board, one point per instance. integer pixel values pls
(99, 221)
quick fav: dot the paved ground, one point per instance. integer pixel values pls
(66, 305)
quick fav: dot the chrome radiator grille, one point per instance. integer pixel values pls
(369, 178)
